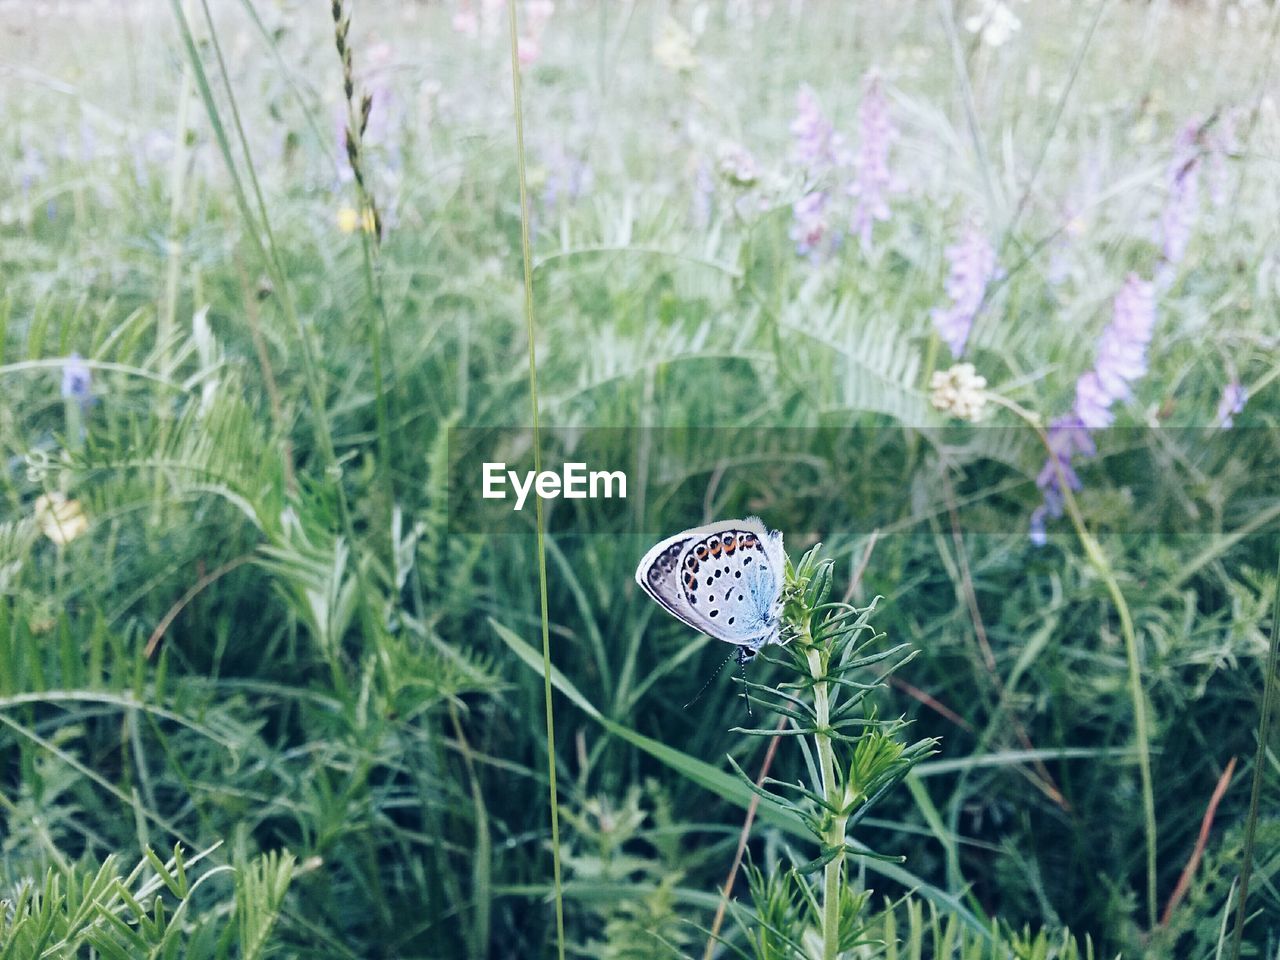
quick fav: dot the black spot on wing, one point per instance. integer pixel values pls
(721, 558)
(664, 564)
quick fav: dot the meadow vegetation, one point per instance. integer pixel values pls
(267, 690)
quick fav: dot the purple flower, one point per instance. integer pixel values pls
(818, 147)
(737, 165)
(1182, 204)
(1234, 397)
(1093, 403)
(872, 179)
(31, 168)
(568, 176)
(809, 227)
(1122, 354)
(1068, 436)
(818, 150)
(1121, 359)
(77, 381)
(973, 265)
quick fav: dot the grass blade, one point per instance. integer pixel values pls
(527, 255)
(732, 789)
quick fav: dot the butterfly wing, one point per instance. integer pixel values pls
(658, 574)
(723, 579)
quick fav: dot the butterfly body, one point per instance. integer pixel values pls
(723, 579)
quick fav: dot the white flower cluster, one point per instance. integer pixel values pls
(994, 21)
(60, 519)
(960, 391)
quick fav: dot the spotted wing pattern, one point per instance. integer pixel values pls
(724, 579)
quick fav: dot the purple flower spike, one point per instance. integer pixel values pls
(1037, 532)
(1121, 359)
(818, 147)
(569, 177)
(1234, 397)
(1093, 403)
(973, 265)
(1068, 437)
(77, 381)
(872, 181)
(1182, 205)
(810, 225)
(1122, 353)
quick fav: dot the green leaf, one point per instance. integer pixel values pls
(829, 854)
(729, 788)
(1003, 758)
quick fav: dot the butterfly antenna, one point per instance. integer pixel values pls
(699, 694)
(743, 657)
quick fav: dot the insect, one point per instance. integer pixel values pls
(723, 579)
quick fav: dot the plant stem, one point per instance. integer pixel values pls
(263, 239)
(1137, 695)
(482, 868)
(177, 188)
(369, 227)
(834, 837)
(754, 805)
(1259, 765)
(526, 251)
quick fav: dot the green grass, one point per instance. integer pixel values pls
(343, 713)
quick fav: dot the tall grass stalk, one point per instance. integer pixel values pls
(258, 225)
(258, 228)
(1059, 107)
(1097, 556)
(527, 255)
(1259, 766)
(369, 227)
(177, 191)
(481, 870)
(1136, 693)
(947, 14)
(168, 314)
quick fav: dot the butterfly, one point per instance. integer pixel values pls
(723, 579)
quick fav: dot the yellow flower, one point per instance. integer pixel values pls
(349, 220)
(60, 519)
